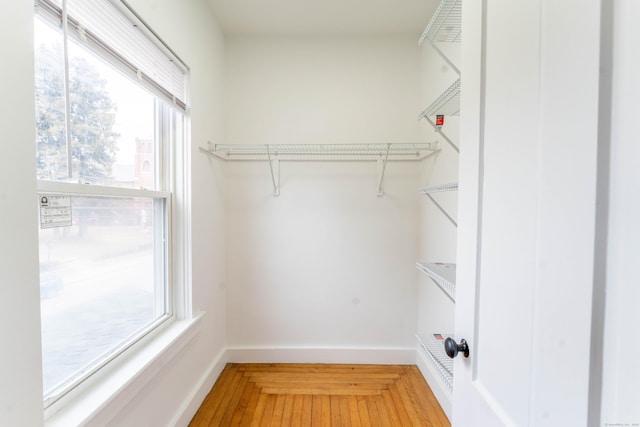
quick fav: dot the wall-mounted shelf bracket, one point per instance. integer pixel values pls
(274, 166)
(382, 166)
(444, 57)
(452, 186)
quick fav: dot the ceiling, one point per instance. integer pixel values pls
(322, 17)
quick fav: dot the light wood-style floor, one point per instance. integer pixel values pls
(320, 395)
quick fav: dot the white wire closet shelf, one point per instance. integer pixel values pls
(432, 346)
(450, 186)
(446, 23)
(448, 103)
(443, 274)
(323, 152)
(275, 153)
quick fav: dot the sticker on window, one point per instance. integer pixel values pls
(55, 211)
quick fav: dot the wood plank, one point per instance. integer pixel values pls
(307, 404)
(372, 408)
(385, 421)
(316, 408)
(329, 386)
(394, 401)
(345, 414)
(296, 418)
(363, 411)
(267, 414)
(354, 414)
(394, 411)
(335, 411)
(325, 404)
(278, 411)
(325, 391)
(256, 417)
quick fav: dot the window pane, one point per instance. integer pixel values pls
(51, 138)
(102, 281)
(111, 118)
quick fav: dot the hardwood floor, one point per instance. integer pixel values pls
(320, 395)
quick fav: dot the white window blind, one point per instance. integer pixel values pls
(112, 29)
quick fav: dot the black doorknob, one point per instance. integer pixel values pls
(452, 348)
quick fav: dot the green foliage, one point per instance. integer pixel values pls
(92, 117)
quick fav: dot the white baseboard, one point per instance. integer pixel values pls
(200, 391)
(382, 356)
(439, 389)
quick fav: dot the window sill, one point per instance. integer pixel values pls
(122, 382)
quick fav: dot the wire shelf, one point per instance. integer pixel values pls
(448, 103)
(443, 274)
(451, 186)
(320, 152)
(433, 348)
(446, 23)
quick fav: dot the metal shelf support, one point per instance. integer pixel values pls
(444, 57)
(452, 186)
(382, 166)
(274, 167)
(439, 206)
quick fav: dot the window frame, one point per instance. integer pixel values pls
(172, 146)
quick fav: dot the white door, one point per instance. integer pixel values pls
(527, 212)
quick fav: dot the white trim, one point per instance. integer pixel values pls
(378, 356)
(97, 190)
(122, 384)
(193, 401)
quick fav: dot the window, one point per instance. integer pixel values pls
(110, 119)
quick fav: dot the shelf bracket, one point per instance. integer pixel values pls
(382, 167)
(444, 57)
(453, 221)
(439, 131)
(274, 167)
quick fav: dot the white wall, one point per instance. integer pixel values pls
(327, 264)
(322, 89)
(621, 390)
(190, 29)
(20, 360)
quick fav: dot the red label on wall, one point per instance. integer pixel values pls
(439, 119)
